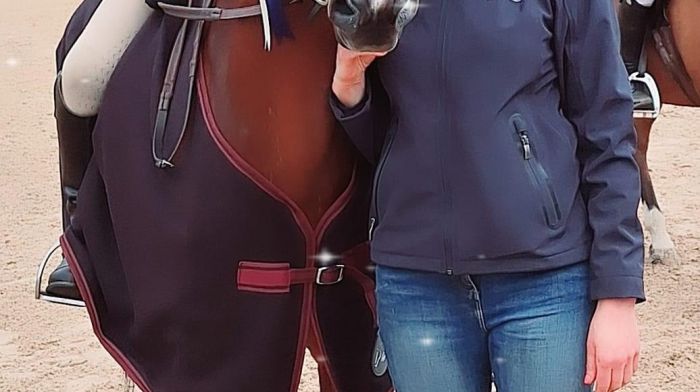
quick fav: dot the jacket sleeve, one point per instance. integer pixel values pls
(599, 104)
(367, 123)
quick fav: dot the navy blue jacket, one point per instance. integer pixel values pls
(503, 141)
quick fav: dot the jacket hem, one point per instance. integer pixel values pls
(514, 264)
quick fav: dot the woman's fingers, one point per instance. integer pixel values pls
(590, 363)
(617, 377)
(615, 339)
(349, 77)
(629, 371)
(602, 382)
(352, 65)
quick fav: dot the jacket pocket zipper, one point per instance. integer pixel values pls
(373, 221)
(538, 175)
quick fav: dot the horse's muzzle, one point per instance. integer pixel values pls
(370, 25)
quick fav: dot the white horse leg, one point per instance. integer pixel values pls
(662, 247)
(91, 61)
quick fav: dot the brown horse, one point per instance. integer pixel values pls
(297, 145)
(683, 17)
(289, 190)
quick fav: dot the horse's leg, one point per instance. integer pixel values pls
(662, 247)
(325, 378)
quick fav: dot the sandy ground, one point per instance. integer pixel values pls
(47, 347)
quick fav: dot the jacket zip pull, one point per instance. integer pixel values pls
(525, 141)
(521, 129)
(372, 222)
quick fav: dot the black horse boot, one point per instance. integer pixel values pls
(634, 24)
(75, 150)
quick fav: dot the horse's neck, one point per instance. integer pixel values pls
(272, 107)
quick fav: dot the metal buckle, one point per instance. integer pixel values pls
(321, 270)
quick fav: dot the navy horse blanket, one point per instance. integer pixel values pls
(202, 277)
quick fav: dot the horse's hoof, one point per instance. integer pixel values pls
(666, 256)
(62, 284)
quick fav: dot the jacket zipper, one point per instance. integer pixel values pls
(447, 228)
(374, 219)
(538, 174)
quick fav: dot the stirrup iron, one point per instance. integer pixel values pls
(43, 295)
(653, 88)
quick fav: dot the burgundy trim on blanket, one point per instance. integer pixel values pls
(240, 163)
(352, 259)
(111, 348)
(263, 277)
(335, 209)
(313, 236)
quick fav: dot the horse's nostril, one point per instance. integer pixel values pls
(344, 14)
(344, 8)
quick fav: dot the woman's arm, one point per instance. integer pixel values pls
(599, 104)
(90, 62)
(359, 102)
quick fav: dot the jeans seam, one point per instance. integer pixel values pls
(477, 299)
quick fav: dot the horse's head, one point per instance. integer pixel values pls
(370, 25)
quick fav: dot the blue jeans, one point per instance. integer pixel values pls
(454, 333)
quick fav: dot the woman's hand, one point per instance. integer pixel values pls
(613, 345)
(349, 78)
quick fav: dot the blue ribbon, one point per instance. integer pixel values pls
(278, 20)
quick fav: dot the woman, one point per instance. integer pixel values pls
(504, 218)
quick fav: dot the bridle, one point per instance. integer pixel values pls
(198, 16)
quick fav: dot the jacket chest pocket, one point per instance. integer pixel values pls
(538, 176)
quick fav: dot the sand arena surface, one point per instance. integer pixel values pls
(50, 348)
